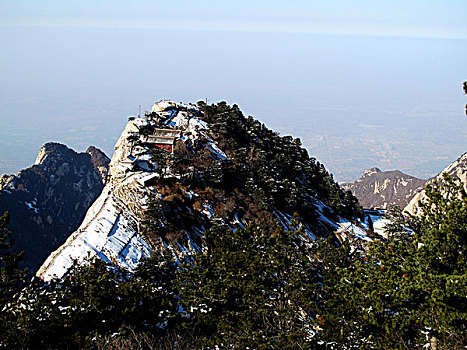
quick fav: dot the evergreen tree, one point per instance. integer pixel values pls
(93, 301)
(161, 158)
(154, 218)
(134, 140)
(397, 227)
(367, 296)
(11, 277)
(390, 293)
(252, 287)
(440, 273)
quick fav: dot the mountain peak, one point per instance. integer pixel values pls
(193, 166)
(54, 148)
(378, 189)
(48, 200)
(370, 172)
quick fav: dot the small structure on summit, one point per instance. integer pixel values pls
(162, 114)
(163, 106)
(162, 138)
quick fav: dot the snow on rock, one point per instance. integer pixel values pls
(351, 232)
(379, 225)
(163, 105)
(110, 229)
(457, 169)
(105, 232)
(187, 119)
(219, 154)
(370, 172)
(41, 156)
(343, 229)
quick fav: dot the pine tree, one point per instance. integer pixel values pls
(11, 277)
(154, 219)
(387, 294)
(92, 302)
(441, 275)
(252, 287)
(133, 139)
(161, 159)
(397, 227)
(367, 298)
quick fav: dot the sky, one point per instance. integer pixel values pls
(362, 83)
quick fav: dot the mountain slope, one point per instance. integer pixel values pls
(378, 189)
(224, 169)
(457, 169)
(49, 200)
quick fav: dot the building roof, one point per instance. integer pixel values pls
(161, 140)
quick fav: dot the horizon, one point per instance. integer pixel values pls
(362, 84)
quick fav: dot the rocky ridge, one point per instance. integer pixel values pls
(457, 169)
(188, 192)
(379, 189)
(49, 200)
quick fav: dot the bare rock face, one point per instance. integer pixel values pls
(110, 227)
(49, 200)
(457, 169)
(100, 161)
(378, 189)
(197, 189)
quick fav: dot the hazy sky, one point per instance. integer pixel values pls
(363, 83)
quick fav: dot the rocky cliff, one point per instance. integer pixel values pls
(195, 166)
(457, 169)
(49, 200)
(378, 189)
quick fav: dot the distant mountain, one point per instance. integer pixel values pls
(378, 189)
(49, 200)
(185, 168)
(457, 169)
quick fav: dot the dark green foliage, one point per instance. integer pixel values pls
(11, 277)
(275, 170)
(366, 297)
(397, 228)
(265, 287)
(253, 287)
(441, 260)
(386, 296)
(259, 287)
(464, 87)
(92, 302)
(161, 158)
(263, 173)
(133, 139)
(154, 216)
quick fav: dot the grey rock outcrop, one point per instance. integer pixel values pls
(379, 189)
(457, 169)
(185, 196)
(48, 200)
